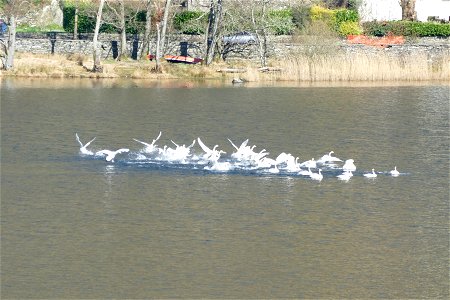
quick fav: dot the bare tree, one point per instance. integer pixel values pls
(160, 46)
(148, 27)
(249, 16)
(118, 20)
(215, 17)
(75, 22)
(259, 22)
(408, 9)
(13, 10)
(97, 66)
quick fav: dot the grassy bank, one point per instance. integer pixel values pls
(335, 67)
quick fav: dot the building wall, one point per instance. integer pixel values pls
(387, 10)
(439, 8)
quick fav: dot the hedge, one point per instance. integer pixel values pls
(280, 21)
(191, 22)
(406, 28)
(86, 24)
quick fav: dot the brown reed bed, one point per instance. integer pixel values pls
(297, 67)
(365, 67)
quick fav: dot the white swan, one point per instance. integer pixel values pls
(241, 147)
(210, 154)
(274, 170)
(371, 175)
(219, 166)
(149, 147)
(394, 172)
(327, 158)
(110, 155)
(246, 153)
(316, 176)
(305, 172)
(345, 176)
(349, 165)
(309, 164)
(282, 157)
(180, 153)
(292, 165)
(265, 162)
(260, 155)
(83, 149)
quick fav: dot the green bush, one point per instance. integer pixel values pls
(85, 23)
(375, 28)
(346, 15)
(191, 22)
(430, 29)
(407, 28)
(280, 21)
(346, 20)
(137, 25)
(342, 21)
(301, 16)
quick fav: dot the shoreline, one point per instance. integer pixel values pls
(81, 83)
(340, 66)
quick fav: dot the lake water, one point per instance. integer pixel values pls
(76, 226)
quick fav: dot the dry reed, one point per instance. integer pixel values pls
(303, 67)
(364, 67)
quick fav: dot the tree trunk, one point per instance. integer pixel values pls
(261, 33)
(97, 66)
(215, 17)
(164, 27)
(11, 43)
(158, 50)
(148, 26)
(123, 33)
(75, 23)
(161, 36)
(408, 10)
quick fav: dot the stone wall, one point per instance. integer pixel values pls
(280, 46)
(63, 43)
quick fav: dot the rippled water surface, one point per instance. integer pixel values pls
(75, 226)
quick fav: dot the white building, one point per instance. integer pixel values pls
(387, 10)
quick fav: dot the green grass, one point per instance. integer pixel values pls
(37, 29)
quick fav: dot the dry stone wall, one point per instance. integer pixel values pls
(62, 43)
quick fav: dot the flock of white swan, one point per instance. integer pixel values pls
(244, 157)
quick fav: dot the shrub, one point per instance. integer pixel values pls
(349, 27)
(375, 28)
(343, 21)
(406, 28)
(430, 29)
(280, 21)
(301, 16)
(346, 15)
(136, 24)
(85, 23)
(319, 13)
(191, 22)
